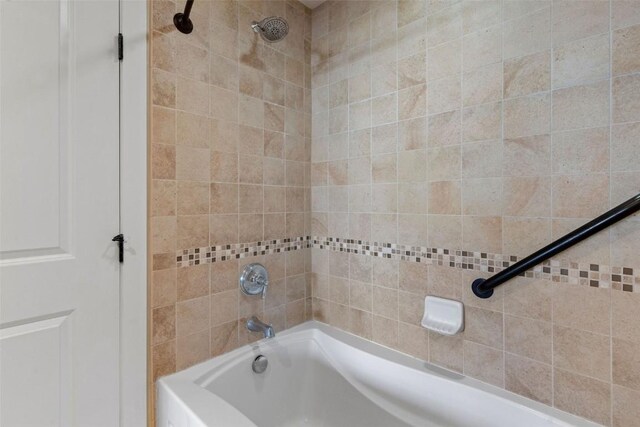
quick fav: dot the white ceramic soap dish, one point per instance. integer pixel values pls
(443, 316)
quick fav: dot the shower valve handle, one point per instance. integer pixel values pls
(254, 280)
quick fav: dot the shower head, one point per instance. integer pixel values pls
(271, 29)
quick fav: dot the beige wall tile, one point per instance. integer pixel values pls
(624, 309)
(163, 161)
(528, 378)
(482, 234)
(482, 85)
(594, 315)
(412, 134)
(163, 130)
(575, 20)
(523, 236)
(482, 196)
(583, 396)
(192, 96)
(444, 94)
(581, 61)
(163, 357)
(192, 349)
(484, 327)
(625, 411)
(360, 295)
(192, 164)
(626, 107)
(445, 231)
(383, 169)
(527, 74)
(411, 166)
(446, 351)
(193, 282)
(581, 106)
(224, 307)
(192, 198)
(482, 48)
(412, 70)
(530, 298)
(445, 197)
(163, 288)
(163, 88)
(482, 159)
(444, 60)
(626, 363)
(385, 331)
(527, 196)
(163, 54)
(444, 25)
(192, 316)
(580, 196)
(163, 324)
(444, 129)
(412, 229)
(443, 163)
(224, 136)
(193, 130)
(484, 363)
(223, 229)
(527, 156)
(413, 277)
(581, 151)
(445, 282)
(624, 13)
(163, 234)
(479, 15)
(412, 102)
(482, 122)
(163, 201)
(413, 340)
(527, 116)
(625, 152)
(582, 352)
(527, 34)
(385, 302)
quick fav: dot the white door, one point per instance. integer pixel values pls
(59, 209)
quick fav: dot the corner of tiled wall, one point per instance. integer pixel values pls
(449, 138)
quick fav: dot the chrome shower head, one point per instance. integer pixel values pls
(271, 29)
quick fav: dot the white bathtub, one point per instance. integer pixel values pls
(320, 376)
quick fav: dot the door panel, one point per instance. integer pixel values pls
(59, 209)
(35, 100)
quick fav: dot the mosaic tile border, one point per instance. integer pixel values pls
(211, 254)
(561, 271)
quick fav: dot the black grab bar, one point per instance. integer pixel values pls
(483, 288)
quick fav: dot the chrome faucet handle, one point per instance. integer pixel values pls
(254, 280)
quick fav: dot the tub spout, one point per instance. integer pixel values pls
(255, 325)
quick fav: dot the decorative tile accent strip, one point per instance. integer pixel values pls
(562, 271)
(595, 275)
(210, 254)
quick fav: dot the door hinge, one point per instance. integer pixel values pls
(120, 47)
(120, 239)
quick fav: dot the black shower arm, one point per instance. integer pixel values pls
(181, 19)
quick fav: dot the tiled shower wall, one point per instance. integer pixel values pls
(230, 151)
(451, 138)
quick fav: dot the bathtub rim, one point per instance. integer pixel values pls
(191, 382)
